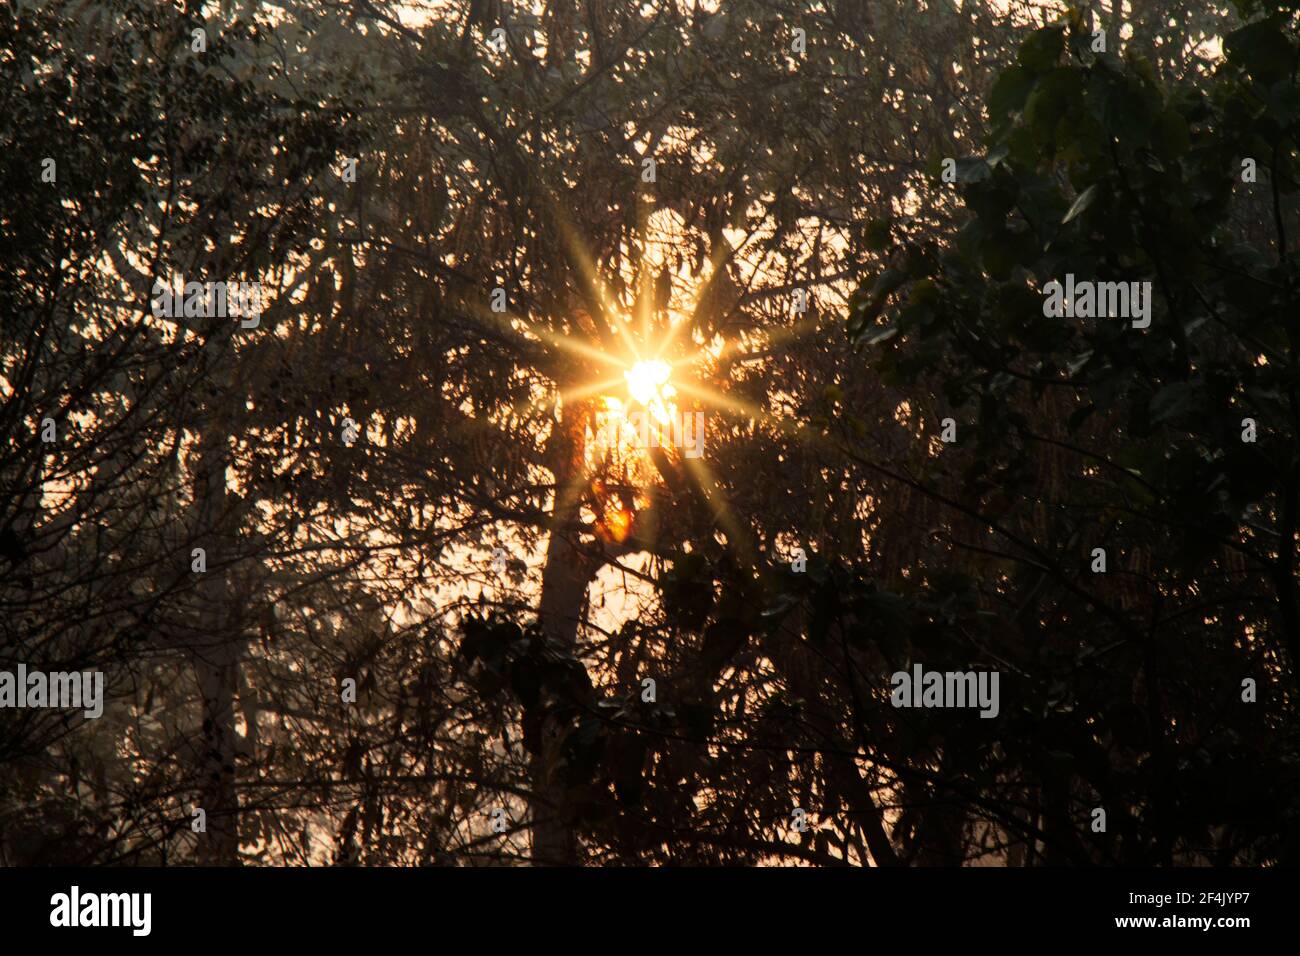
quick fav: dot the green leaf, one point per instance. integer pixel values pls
(1080, 204)
(1043, 49)
(1009, 92)
(878, 335)
(1051, 99)
(973, 169)
(997, 155)
(1262, 50)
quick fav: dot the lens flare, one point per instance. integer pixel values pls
(647, 383)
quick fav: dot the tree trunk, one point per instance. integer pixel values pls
(216, 667)
(565, 577)
(216, 650)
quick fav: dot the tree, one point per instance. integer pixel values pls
(168, 154)
(522, 170)
(1172, 447)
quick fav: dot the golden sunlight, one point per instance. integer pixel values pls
(647, 383)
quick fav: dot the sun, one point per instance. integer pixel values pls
(645, 379)
(647, 383)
